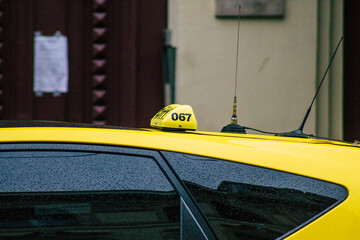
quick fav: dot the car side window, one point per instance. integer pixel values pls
(247, 202)
(85, 195)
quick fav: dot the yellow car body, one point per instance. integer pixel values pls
(331, 161)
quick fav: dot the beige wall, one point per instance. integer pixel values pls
(278, 65)
(329, 118)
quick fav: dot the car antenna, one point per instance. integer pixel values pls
(233, 127)
(299, 132)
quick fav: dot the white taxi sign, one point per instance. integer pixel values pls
(175, 117)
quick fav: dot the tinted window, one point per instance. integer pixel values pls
(84, 195)
(248, 202)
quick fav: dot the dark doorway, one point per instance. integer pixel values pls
(352, 71)
(114, 50)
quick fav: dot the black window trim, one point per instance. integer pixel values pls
(160, 160)
(187, 198)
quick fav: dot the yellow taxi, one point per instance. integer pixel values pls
(79, 181)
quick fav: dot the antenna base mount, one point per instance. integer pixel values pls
(233, 128)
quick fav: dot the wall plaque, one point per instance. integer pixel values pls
(250, 8)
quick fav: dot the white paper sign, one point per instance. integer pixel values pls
(50, 64)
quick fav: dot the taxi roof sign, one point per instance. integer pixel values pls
(175, 117)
